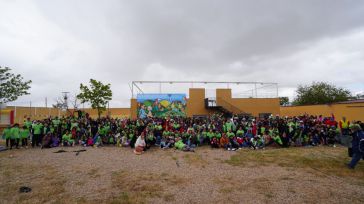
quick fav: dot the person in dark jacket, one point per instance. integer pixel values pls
(357, 133)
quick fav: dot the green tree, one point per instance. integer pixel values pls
(98, 95)
(12, 86)
(320, 93)
(283, 101)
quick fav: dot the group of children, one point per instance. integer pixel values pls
(181, 133)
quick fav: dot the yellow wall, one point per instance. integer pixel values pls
(253, 106)
(224, 94)
(39, 113)
(133, 108)
(196, 102)
(112, 112)
(352, 111)
(35, 113)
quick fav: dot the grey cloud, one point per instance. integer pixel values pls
(119, 41)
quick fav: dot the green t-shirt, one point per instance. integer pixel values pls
(7, 133)
(28, 124)
(230, 134)
(228, 126)
(278, 139)
(210, 135)
(186, 135)
(150, 137)
(176, 126)
(262, 130)
(15, 133)
(67, 137)
(204, 134)
(74, 125)
(56, 122)
(103, 131)
(158, 127)
(166, 133)
(240, 133)
(24, 133)
(37, 128)
(218, 135)
(179, 144)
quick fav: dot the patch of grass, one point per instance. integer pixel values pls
(269, 195)
(123, 198)
(81, 200)
(93, 173)
(138, 187)
(225, 190)
(195, 159)
(230, 187)
(168, 197)
(46, 183)
(320, 160)
(286, 178)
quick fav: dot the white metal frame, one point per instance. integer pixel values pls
(134, 85)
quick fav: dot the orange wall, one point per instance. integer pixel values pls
(133, 108)
(225, 94)
(39, 113)
(252, 106)
(196, 102)
(255, 106)
(112, 112)
(35, 113)
(352, 111)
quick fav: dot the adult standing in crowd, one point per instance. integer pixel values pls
(357, 145)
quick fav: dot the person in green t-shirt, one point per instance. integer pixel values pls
(182, 146)
(15, 136)
(67, 139)
(7, 135)
(209, 135)
(240, 132)
(230, 134)
(228, 126)
(217, 135)
(28, 124)
(37, 131)
(24, 134)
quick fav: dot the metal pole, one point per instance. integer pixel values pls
(132, 89)
(255, 88)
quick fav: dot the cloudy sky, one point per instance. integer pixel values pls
(60, 44)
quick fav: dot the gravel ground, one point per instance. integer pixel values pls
(105, 175)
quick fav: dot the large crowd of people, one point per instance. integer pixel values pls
(187, 134)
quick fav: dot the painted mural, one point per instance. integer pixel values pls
(161, 105)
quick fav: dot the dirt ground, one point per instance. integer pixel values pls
(116, 175)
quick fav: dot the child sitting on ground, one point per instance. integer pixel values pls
(224, 141)
(90, 141)
(214, 143)
(55, 140)
(182, 146)
(66, 139)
